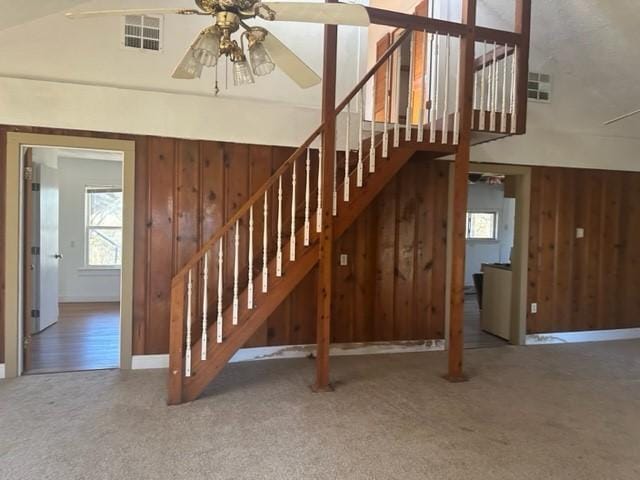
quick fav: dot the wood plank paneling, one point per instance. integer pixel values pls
(587, 283)
(185, 189)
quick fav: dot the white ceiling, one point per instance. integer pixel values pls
(23, 11)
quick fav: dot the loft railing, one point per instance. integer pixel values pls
(216, 290)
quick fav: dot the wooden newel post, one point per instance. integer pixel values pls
(460, 190)
(176, 342)
(325, 266)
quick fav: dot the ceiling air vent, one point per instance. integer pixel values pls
(142, 32)
(539, 87)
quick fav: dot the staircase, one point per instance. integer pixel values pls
(231, 286)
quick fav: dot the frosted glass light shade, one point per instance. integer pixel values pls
(206, 48)
(242, 73)
(188, 68)
(261, 61)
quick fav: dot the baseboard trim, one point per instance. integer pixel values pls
(584, 336)
(141, 362)
(2, 372)
(85, 299)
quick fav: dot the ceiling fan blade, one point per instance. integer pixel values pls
(622, 117)
(188, 68)
(134, 11)
(327, 13)
(290, 63)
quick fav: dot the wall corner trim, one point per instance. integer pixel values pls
(584, 336)
(2, 370)
(141, 362)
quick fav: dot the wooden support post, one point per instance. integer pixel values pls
(325, 265)
(460, 188)
(523, 27)
(176, 342)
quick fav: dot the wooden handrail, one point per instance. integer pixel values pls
(247, 205)
(485, 61)
(244, 209)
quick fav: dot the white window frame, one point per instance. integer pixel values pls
(496, 226)
(88, 228)
(141, 49)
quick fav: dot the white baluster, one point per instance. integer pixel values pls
(483, 77)
(250, 267)
(265, 239)
(423, 99)
(408, 126)
(307, 199)
(347, 155)
(372, 140)
(292, 238)
(495, 74)
(503, 117)
(436, 99)
(279, 233)
(236, 272)
(205, 307)
(456, 115)
(187, 360)
(220, 277)
(445, 118)
(396, 72)
(431, 79)
(387, 106)
(514, 87)
(319, 209)
(476, 85)
(360, 166)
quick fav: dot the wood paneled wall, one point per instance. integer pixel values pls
(589, 283)
(185, 189)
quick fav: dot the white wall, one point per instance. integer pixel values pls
(75, 74)
(490, 198)
(76, 283)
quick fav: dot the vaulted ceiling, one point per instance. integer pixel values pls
(19, 12)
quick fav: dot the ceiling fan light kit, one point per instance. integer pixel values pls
(264, 50)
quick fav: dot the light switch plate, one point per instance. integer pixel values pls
(579, 232)
(344, 259)
(534, 308)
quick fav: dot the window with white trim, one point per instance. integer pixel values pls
(142, 32)
(103, 218)
(539, 87)
(482, 225)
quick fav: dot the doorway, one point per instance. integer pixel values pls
(517, 185)
(68, 253)
(72, 234)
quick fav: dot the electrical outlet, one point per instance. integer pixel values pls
(344, 259)
(534, 308)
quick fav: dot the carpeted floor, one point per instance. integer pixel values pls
(548, 412)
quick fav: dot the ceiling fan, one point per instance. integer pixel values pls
(622, 117)
(263, 49)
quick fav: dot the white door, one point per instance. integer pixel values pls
(46, 238)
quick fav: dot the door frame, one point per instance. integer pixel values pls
(14, 254)
(520, 255)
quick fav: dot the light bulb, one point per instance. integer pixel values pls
(206, 48)
(241, 72)
(261, 61)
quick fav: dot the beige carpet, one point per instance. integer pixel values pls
(550, 412)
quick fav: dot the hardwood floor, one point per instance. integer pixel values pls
(86, 337)
(474, 337)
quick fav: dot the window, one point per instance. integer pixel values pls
(482, 225)
(539, 87)
(142, 32)
(103, 238)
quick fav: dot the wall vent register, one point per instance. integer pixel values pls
(142, 32)
(539, 87)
